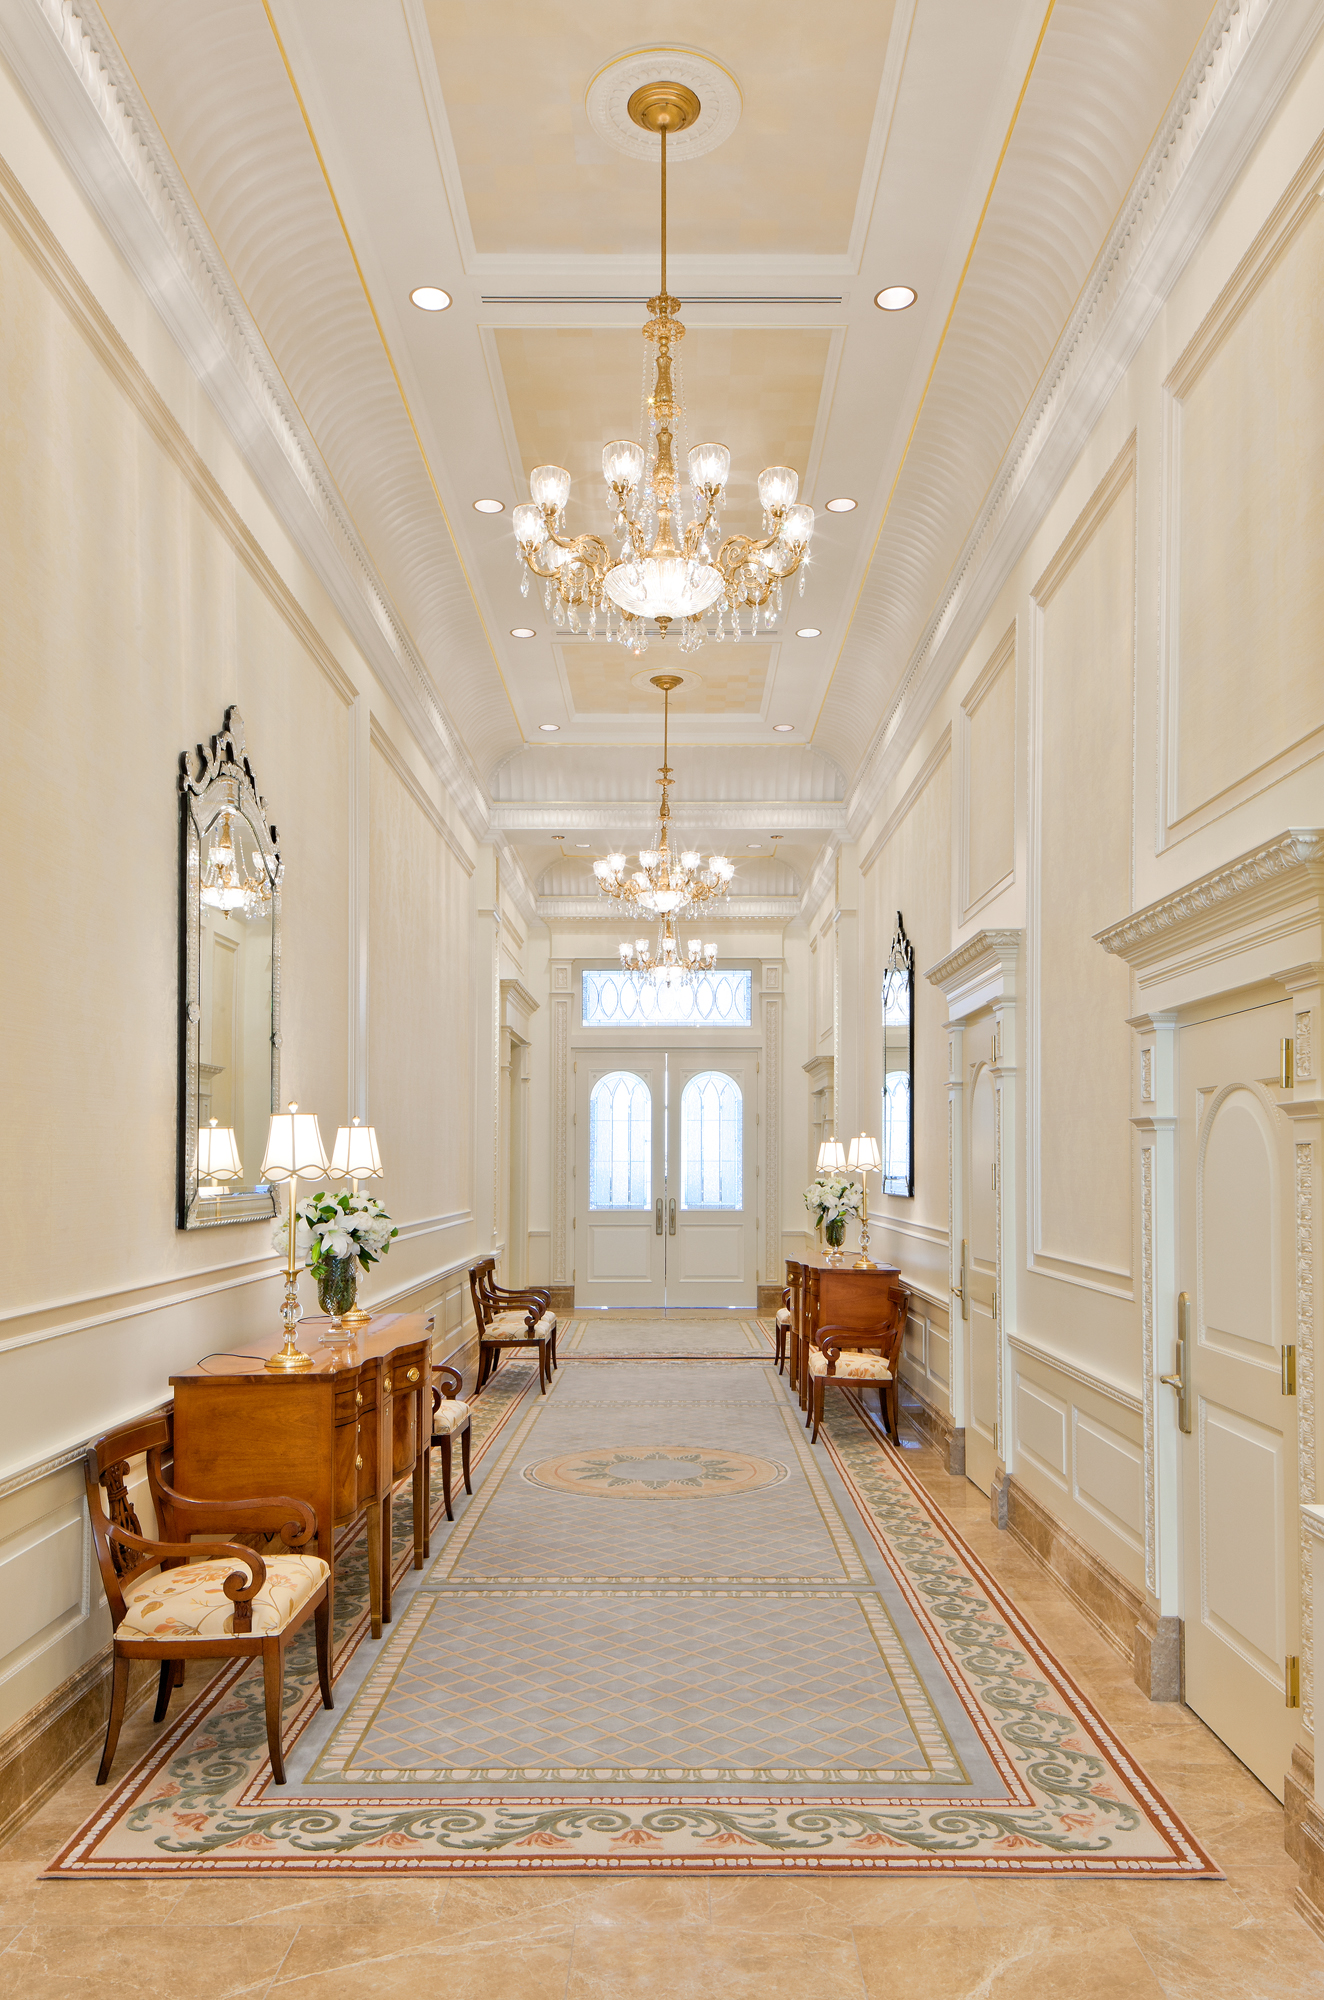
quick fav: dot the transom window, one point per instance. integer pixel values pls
(712, 1142)
(620, 1141)
(614, 998)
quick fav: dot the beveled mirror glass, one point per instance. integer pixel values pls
(898, 1147)
(229, 1026)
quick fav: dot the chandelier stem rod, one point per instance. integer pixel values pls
(664, 211)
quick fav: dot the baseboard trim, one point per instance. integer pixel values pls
(1116, 1608)
(935, 1425)
(770, 1297)
(41, 1750)
(563, 1297)
(1303, 1837)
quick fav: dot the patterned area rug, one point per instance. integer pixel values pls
(665, 1635)
(685, 1336)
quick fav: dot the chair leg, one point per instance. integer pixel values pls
(890, 1402)
(119, 1688)
(553, 1347)
(164, 1688)
(820, 1385)
(322, 1633)
(273, 1678)
(446, 1474)
(427, 1501)
(542, 1367)
(465, 1436)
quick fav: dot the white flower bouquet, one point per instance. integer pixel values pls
(328, 1226)
(832, 1199)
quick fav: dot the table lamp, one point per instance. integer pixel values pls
(864, 1159)
(294, 1147)
(355, 1158)
(831, 1156)
(218, 1158)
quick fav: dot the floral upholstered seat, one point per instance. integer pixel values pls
(852, 1362)
(190, 1603)
(449, 1417)
(515, 1326)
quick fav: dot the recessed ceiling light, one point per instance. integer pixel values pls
(522, 632)
(430, 298)
(895, 298)
(807, 632)
(783, 728)
(581, 843)
(489, 506)
(549, 728)
(841, 506)
(753, 843)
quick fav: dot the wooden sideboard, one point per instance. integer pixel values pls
(339, 1436)
(831, 1295)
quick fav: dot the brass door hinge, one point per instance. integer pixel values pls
(1289, 1370)
(1292, 1681)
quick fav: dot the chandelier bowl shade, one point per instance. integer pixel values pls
(549, 486)
(709, 466)
(664, 587)
(623, 463)
(778, 486)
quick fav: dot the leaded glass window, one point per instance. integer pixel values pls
(614, 998)
(712, 1142)
(620, 1141)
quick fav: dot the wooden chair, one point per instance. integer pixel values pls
(168, 1598)
(450, 1418)
(502, 1300)
(500, 1327)
(788, 1314)
(855, 1359)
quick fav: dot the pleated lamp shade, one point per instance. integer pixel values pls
(831, 1154)
(294, 1146)
(864, 1155)
(355, 1155)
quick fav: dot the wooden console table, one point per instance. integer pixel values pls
(339, 1436)
(833, 1295)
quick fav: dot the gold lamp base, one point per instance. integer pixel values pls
(865, 1264)
(355, 1318)
(290, 1360)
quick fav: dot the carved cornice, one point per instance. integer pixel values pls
(1167, 208)
(1255, 884)
(563, 910)
(68, 62)
(979, 971)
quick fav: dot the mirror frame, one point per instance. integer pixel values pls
(211, 781)
(901, 964)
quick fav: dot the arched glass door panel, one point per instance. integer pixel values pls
(620, 1141)
(712, 1142)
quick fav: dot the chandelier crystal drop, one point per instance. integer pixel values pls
(666, 885)
(651, 578)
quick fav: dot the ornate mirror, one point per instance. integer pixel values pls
(229, 1016)
(898, 1147)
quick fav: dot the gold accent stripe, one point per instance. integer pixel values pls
(390, 359)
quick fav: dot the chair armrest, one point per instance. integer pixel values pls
(833, 1339)
(526, 1297)
(239, 1589)
(446, 1385)
(293, 1520)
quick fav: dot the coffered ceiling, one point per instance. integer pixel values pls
(340, 154)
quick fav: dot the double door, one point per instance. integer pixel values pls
(665, 1178)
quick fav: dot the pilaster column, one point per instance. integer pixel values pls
(1006, 1115)
(1157, 1649)
(958, 1305)
(561, 980)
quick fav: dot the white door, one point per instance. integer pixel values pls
(1239, 1462)
(620, 1190)
(981, 1380)
(712, 1202)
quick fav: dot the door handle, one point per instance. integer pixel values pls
(960, 1289)
(657, 1217)
(1180, 1379)
(671, 1216)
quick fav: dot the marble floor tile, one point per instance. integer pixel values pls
(337, 1965)
(53, 1961)
(700, 1964)
(1026, 1961)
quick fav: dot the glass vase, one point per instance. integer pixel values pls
(835, 1233)
(337, 1292)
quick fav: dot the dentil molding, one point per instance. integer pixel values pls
(978, 972)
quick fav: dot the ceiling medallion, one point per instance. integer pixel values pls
(607, 101)
(665, 885)
(652, 578)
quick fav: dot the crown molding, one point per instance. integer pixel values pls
(1230, 928)
(563, 910)
(66, 60)
(704, 815)
(1247, 57)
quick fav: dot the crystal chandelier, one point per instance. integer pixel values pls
(665, 884)
(702, 582)
(225, 883)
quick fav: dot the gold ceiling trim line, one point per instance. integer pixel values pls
(390, 361)
(937, 354)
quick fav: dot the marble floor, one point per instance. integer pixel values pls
(692, 1939)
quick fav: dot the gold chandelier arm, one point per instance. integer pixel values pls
(588, 549)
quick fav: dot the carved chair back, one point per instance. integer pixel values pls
(480, 1278)
(106, 1472)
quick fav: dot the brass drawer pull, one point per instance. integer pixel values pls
(358, 1398)
(358, 1464)
(412, 1376)
(386, 1385)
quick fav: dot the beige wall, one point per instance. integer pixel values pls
(144, 587)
